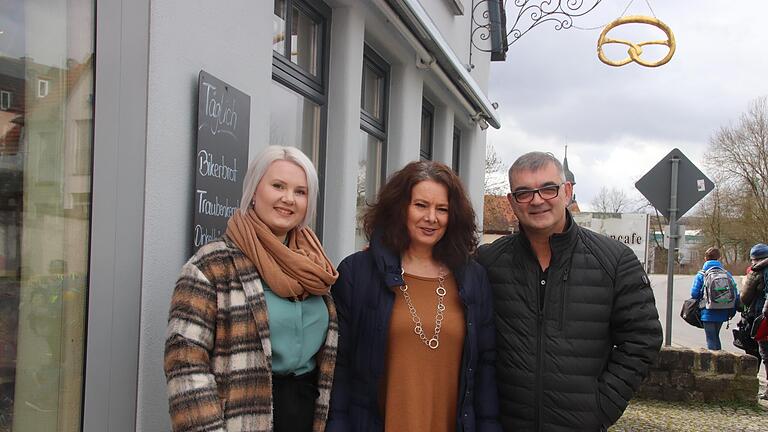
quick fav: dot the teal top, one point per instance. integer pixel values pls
(297, 331)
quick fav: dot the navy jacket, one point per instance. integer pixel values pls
(364, 298)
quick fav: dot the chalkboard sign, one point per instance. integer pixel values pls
(223, 117)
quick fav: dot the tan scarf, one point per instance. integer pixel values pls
(294, 271)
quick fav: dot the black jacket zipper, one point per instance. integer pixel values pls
(540, 348)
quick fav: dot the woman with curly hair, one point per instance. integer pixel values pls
(416, 334)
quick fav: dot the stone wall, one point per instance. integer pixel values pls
(682, 374)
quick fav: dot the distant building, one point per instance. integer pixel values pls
(569, 177)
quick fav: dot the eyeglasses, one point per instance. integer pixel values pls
(547, 193)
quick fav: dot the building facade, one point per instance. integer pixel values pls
(98, 106)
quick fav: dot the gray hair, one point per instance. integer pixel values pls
(534, 161)
(259, 165)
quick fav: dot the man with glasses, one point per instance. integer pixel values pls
(576, 321)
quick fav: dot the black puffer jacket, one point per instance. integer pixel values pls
(574, 364)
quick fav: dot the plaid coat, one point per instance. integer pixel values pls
(218, 356)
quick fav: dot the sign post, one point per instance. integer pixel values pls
(673, 186)
(673, 236)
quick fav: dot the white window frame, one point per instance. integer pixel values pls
(6, 100)
(43, 87)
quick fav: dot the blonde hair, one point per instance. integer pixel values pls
(259, 165)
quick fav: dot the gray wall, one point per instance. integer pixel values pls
(232, 41)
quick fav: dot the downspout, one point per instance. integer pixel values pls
(425, 60)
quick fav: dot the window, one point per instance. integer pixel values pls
(295, 120)
(298, 96)
(373, 134)
(427, 129)
(456, 150)
(5, 100)
(44, 246)
(42, 88)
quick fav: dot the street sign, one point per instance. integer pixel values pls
(692, 184)
(673, 186)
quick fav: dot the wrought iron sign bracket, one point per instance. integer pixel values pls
(488, 24)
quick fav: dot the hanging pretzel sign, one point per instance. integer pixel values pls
(635, 50)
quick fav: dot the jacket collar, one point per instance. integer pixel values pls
(711, 263)
(387, 261)
(559, 243)
(389, 265)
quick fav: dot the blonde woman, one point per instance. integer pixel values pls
(252, 331)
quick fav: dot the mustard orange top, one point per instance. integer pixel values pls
(421, 386)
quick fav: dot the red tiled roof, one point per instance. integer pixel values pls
(497, 215)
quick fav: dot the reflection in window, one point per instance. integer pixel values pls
(456, 159)
(304, 41)
(427, 128)
(373, 134)
(44, 213)
(278, 27)
(304, 22)
(373, 91)
(294, 121)
(369, 175)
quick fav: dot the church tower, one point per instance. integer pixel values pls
(569, 175)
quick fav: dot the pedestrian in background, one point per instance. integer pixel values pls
(252, 333)
(416, 335)
(753, 294)
(718, 297)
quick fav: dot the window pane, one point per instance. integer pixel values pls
(278, 27)
(456, 159)
(427, 120)
(369, 170)
(373, 85)
(304, 41)
(294, 121)
(46, 68)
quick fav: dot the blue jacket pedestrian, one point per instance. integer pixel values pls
(712, 319)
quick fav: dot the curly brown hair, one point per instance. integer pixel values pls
(387, 217)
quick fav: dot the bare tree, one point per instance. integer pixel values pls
(495, 175)
(611, 201)
(738, 156)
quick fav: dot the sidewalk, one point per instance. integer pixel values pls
(659, 416)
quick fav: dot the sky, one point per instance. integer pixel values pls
(618, 122)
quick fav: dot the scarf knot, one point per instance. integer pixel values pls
(295, 270)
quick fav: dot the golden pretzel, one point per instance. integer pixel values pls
(636, 50)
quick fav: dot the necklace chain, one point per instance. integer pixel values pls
(434, 342)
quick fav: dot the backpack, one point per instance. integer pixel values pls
(742, 335)
(719, 290)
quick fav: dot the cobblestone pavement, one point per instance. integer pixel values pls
(657, 416)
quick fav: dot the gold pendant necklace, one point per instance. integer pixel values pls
(434, 342)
